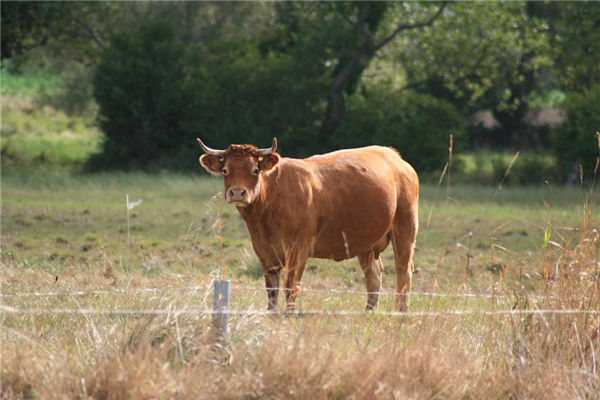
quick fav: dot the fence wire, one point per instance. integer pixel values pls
(256, 288)
(5, 309)
(8, 309)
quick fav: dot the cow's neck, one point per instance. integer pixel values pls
(263, 206)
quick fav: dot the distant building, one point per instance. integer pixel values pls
(550, 117)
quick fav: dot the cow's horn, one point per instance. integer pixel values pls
(266, 152)
(209, 151)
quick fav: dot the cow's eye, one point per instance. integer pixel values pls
(255, 171)
(224, 170)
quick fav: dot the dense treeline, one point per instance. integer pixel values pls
(324, 75)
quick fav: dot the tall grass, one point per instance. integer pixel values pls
(525, 356)
(64, 234)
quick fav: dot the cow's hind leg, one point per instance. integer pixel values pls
(404, 236)
(373, 268)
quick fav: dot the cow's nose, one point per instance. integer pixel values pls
(237, 194)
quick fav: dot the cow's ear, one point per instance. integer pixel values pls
(212, 164)
(268, 162)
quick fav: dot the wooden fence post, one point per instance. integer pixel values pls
(221, 308)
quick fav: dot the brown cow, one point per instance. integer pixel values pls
(349, 203)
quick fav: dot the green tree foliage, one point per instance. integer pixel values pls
(479, 55)
(68, 31)
(138, 87)
(157, 93)
(241, 95)
(574, 33)
(579, 44)
(306, 72)
(237, 88)
(417, 125)
(20, 29)
(345, 37)
(575, 142)
(64, 39)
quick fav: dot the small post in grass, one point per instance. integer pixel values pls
(127, 208)
(221, 307)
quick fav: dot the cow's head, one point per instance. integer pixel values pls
(243, 168)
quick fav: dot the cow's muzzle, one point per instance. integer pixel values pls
(238, 197)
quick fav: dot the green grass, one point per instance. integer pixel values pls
(36, 134)
(66, 233)
(51, 142)
(31, 81)
(69, 234)
(49, 217)
(46, 139)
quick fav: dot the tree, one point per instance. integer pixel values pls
(138, 87)
(239, 94)
(417, 125)
(579, 45)
(368, 18)
(575, 142)
(574, 33)
(25, 25)
(483, 55)
(345, 36)
(71, 31)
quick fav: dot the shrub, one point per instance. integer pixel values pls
(417, 125)
(241, 95)
(156, 95)
(528, 169)
(76, 94)
(575, 141)
(137, 86)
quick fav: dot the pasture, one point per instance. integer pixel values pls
(489, 261)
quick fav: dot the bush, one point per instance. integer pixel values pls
(575, 141)
(488, 167)
(138, 88)
(241, 95)
(157, 94)
(76, 94)
(417, 125)
(528, 169)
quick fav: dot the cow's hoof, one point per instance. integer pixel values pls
(290, 312)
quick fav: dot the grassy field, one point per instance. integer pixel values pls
(69, 244)
(37, 132)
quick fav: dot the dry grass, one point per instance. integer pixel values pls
(545, 263)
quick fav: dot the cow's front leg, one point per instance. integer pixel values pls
(272, 285)
(293, 276)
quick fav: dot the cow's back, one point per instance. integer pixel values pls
(356, 195)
